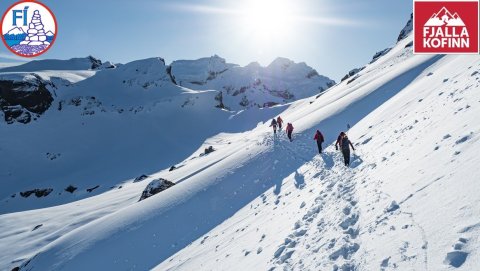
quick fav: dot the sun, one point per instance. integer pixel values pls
(267, 20)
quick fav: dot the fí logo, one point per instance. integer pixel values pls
(28, 28)
(445, 27)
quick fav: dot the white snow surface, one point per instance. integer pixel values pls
(52, 64)
(90, 136)
(409, 200)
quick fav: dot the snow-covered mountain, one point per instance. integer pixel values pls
(253, 85)
(409, 201)
(16, 31)
(81, 123)
(80, 64)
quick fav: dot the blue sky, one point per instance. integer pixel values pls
(332, 36)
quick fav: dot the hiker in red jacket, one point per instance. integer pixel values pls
(279, 122)
(319, 138)
(289, 131)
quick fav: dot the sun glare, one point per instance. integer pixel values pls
(267, 20)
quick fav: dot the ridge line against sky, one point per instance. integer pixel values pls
(330, 36)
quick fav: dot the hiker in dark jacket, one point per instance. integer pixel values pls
(345, 144)
(319, 138)
(279, 122)
(339, 138)
(289, 131)
(274, 125)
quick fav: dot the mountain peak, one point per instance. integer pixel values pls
(15, 31)
(281, 61)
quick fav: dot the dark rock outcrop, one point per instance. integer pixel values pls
(37, 227)
(140, 178)
(352, 73)
(154, 187)
(209, 150)
(172, 77)
(38, 192)
(71, 188)
(219, 99)
(406, 30)
(379, 54)
(19, 100)
(96, 63)
(89, 190)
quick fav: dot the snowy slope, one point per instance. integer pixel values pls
(409, 201)
(53, 64)
(412, 154)
(100, 127)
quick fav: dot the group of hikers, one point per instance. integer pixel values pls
(342, 140)
(278, 122)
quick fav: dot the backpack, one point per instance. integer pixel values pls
(345, 142)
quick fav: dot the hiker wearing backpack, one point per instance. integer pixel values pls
(279, 122)
(289, 131)
(339, 138)
(319, 138)
(274, 125)
(345, 144)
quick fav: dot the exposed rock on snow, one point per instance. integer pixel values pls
(71, 188)
(379, 54)
(208, 150)
(352, 73)
(37, 227)
(89, 190)
(154, 187)
(392, 207)
(140, 178)
(406, 30)
(19, 100)
(38, 192)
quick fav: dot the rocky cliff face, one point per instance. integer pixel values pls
(22, 101)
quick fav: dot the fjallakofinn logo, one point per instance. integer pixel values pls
(28, 28)
(445, 27)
